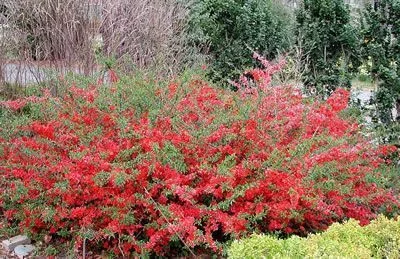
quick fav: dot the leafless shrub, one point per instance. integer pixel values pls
(294, 69)
(69, 35)
(145, 32)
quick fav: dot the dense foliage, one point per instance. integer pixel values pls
(381, 50)
(328, 43)
(380, 239)
(137, 168)
(230, 30)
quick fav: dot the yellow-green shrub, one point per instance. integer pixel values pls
(380, 239)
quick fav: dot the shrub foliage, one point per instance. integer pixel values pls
(380, 239)
(145, 169)
(329, 45)
(380, 49)
(229, 30)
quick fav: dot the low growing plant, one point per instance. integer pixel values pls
(380, 239)
(143, 168)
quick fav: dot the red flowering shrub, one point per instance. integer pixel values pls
(17, 104)
(191, 166)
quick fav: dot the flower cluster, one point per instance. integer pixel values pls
(18, 104)
(208, 166)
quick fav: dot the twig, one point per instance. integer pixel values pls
(84, 248)
(119, 246)
(162, 214)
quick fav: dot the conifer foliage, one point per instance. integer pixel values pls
(381, 51)
(329, 44)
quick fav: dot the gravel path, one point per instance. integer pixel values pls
(25, 74)
(364, 96)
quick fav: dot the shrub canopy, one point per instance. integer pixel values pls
(145, 169)
(380, 239)
(380, 28)
(230, 30)
(329, 44)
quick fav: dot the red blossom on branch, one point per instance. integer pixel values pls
(211, 165)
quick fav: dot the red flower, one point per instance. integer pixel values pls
(193, 170)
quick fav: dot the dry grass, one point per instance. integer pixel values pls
(145, 32)
(70, 35)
